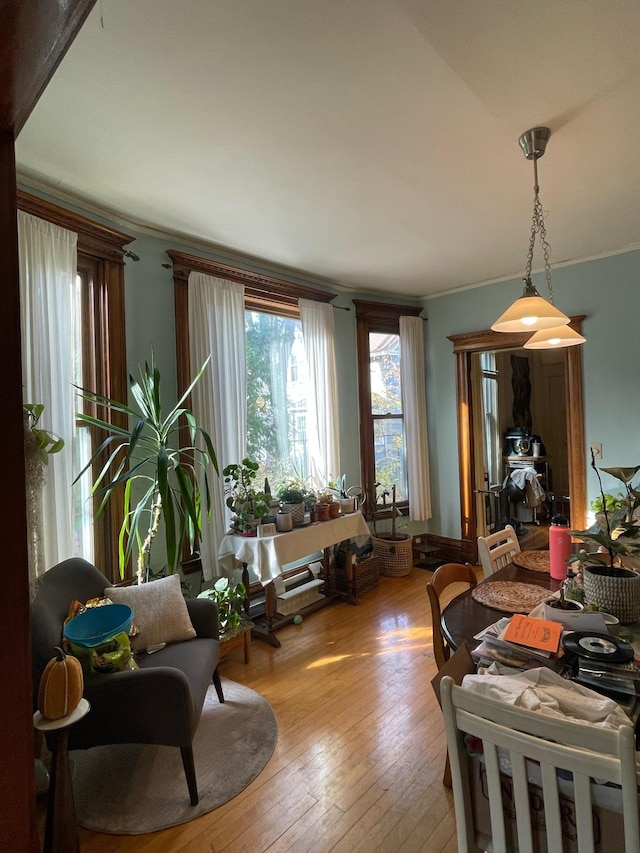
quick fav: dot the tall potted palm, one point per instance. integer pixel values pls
(161, 476)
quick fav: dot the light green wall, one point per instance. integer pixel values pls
(607, 291)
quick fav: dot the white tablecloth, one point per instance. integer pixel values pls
(267, 556)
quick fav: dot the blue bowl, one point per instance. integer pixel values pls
(98, 624)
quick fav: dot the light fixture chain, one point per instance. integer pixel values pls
(537, 226)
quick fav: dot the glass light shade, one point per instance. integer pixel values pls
(555, 338)
(530, 313)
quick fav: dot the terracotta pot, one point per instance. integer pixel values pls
(322, 512)
(334, 509)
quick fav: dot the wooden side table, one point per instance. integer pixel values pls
(61, 833)
(240, 639)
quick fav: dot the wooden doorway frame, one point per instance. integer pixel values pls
(464, 346)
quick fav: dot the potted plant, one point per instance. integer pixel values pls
(296, 497)
(248, 505)
(394, 550)
(39, 444)
(609, 579)
(159, 474)
(346, 497)
(230, 599)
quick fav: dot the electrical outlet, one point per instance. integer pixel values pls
(596, 449)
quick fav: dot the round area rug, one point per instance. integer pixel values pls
(127, 789)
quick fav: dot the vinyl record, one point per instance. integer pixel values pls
(601, 647)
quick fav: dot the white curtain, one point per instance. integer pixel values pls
(219, 400)
(318, 332)
(414, 403)
(48, 267)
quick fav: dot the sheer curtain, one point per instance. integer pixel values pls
(318, 332)
(414, 402)
(219, 400)
(48, 267)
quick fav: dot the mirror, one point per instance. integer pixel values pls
(465, 347)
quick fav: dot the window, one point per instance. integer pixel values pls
(382, 437)
(99, 362)
(277, 383)
(277, 372)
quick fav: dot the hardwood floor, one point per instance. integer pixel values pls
(360, 754)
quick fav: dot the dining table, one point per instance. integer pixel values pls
(464, 617)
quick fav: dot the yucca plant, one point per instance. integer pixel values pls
(148, 457)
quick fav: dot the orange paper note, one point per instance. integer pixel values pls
(535, 633)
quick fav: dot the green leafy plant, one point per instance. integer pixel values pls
(339, 486)
(230, 599)
(148, 457)
(42, 441)
(612, 503)
(296, 490)
(247, 504)
(620, 534)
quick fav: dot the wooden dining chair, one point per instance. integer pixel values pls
(496, 550)
(529, 742)
(442, 579)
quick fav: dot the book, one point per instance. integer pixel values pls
(539, 635)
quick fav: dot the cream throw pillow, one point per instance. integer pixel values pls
(159, 611)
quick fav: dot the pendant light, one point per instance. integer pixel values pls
(530, 311)
(555, 338)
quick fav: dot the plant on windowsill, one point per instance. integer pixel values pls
(159, 475)
(247, 504)
(609, 576)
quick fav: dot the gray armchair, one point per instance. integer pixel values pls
(159, 703)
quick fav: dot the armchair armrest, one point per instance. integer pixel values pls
(151, 705)
(203, 613)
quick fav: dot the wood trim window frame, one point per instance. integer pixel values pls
(262, 293)
(382, 317)
(464, 345)
(101, 259)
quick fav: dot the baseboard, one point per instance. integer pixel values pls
(454, 550)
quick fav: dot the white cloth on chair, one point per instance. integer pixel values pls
(546, 692)
(527, 480)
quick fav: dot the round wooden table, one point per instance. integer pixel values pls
(464, 617)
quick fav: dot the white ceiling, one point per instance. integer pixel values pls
(369, 142)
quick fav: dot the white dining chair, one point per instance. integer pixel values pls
(496, 550)
(605, 754)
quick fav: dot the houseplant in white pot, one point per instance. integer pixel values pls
(610, 580)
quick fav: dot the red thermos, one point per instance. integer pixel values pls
(559, 546)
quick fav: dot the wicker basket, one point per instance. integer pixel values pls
(365, 575)
(395, 555)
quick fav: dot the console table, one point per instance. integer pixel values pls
(269, 554)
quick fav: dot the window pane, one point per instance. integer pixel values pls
(277, 387)
(384, 362)
(390, 467)
(82, 501)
